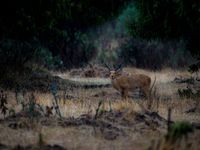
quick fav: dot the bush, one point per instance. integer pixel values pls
(154, 54)
(107, 56)
(44, 58)
(179, 130)
(172, 19)
(124, 23)
(78, 50)
(15, 54)
(59, 26)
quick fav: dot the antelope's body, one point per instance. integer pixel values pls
(127, 82)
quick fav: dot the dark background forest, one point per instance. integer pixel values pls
(99, 74)
(64, 34)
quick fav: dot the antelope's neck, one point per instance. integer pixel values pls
(114, 79)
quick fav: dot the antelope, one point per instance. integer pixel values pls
(125, 82)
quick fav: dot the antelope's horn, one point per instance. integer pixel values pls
(119, 67)
(108, 67)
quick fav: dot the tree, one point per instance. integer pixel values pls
(168, 19)
(58, 25)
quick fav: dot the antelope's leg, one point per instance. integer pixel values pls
(145, 91)
(124, 93)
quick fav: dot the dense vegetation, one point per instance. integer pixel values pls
(53, 31)
(57, 33)
(167, 20)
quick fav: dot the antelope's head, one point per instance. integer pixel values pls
(114, 73)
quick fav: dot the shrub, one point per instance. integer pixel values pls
(179, 130)
(44, 57)
(78, 51)
(172, 19)
(154, 54)
(15, 54)
(124, 23)
(189, 93)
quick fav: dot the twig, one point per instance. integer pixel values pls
(169, 120)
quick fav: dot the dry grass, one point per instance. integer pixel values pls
(74, 138)
(74, 103)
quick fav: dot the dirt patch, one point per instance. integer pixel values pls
(45, 82)
(37, 81)
(110, 126)
(115, 123)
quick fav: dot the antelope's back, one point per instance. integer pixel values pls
(145, 79)
(139, 80)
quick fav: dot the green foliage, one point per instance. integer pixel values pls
(161, 18)
(127, 17)
(44, 57)
(188, 93)
(185, 93)
(22, 19)
(167, 19)
(179, 130)
(98, 109)
(154, 54)
(58, 26)
(78, 51)
(107, 56)
(14, 52)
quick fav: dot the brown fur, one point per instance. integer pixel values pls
(125, 82)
